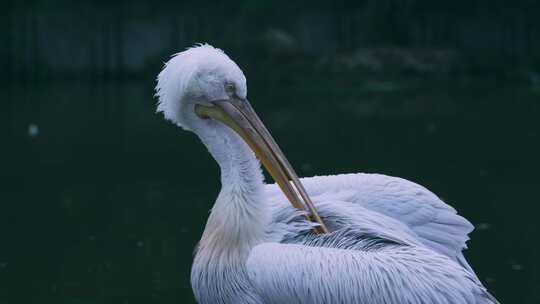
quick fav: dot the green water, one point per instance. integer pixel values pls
(103, 201)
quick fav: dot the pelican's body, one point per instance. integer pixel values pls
(389, 240)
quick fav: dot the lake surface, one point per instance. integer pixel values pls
(103, 201)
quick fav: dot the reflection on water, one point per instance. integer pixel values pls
(106, 201)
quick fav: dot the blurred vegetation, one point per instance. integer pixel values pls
(118, 39)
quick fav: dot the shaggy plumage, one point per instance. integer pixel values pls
(391, 240)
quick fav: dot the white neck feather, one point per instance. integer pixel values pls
(239, 218)
(237, 223)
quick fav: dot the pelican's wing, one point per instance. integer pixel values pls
(381, 273)
(434, 223)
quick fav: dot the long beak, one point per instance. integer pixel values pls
(239, 115)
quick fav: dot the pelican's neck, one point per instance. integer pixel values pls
(237, 223)
(239, 217)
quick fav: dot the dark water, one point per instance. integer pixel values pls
(103, 201)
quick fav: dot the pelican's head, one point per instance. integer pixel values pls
(200, 75)
(202, 89)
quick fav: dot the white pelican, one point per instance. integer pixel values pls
(384, 239)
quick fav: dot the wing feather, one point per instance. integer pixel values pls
(389, 207)
(296, 273)
(435, 223)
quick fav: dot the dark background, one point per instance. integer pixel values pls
(102, 201)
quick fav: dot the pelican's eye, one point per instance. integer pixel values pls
(229, 88)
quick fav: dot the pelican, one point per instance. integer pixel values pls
(350, 238)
